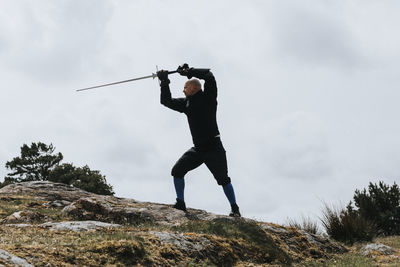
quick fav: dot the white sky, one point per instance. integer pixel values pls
(308, 95)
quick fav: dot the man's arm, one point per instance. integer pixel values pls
(210, 85)
(178, 104)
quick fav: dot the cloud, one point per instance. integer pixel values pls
(315, 35)
(54, 41)
(295, 147)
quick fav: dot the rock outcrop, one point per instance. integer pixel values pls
(13, 260)
(45, 190)
(374, 249)
(111, 230)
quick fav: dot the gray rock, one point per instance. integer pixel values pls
(13, 260)
(275, 229)
(19, 225)
(45, 190)
(118, 210)
(376, 247)
(82, 205)
(317, 244)
(183, 242)
(77, 226)
(59, 203)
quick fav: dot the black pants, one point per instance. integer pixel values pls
(213, 156)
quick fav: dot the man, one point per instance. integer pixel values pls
(200, 107)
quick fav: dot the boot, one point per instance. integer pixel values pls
(180, 205)
(235, 211)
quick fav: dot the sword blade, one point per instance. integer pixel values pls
(153, 75)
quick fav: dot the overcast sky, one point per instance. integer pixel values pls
(308, 95)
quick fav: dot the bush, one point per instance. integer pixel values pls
(83, 178)
(34, 163)
(380, 205)
(38, 162)
(305, 224)
(347, 226)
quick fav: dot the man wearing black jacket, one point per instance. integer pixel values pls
(200, 107)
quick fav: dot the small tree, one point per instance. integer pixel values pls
(83, 178)
(38, 162)
(34, 163)
(380, 205)
(346, 225)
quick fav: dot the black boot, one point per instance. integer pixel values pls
(235, 211)
(180, 205)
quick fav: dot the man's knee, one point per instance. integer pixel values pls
(177, 172)
(224, 181)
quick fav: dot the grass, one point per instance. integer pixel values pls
(392, 241)
(347, 260)
(196, 263)
(306, 224)
(355, 259)
(130, 246)
(232, 242)
(240, 231)
(107, 247)
(9, 205)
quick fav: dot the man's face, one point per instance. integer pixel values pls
(189, 89)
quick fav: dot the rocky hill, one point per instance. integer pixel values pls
(51, 224)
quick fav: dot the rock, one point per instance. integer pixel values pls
(59, 203)
(103, 209)
(24, 217)
(215, 250)
(118, 210)
(45, 190)
(82, 205)
(20, 225)
(375, 249)
(13, 260)
(302, 242)
(77, 226)
(183, 242)
(197, 233)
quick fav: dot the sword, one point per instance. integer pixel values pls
(153, 75)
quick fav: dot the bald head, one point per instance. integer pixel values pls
(192, 86)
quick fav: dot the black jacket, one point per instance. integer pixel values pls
(200, 109)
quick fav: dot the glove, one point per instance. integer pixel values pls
(182, 69)
(162, 75)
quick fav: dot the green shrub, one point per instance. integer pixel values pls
(38, 162)
(83, 178)
(347, 226)
(34, 164)
(380, 205)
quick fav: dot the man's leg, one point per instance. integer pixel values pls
(216, 162)
(229, 193)
(189, 161)
(179, 184)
